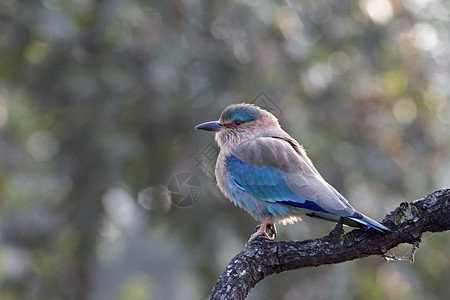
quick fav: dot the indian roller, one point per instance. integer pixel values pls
(263, 170)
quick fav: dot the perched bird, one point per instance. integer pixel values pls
(267, 173)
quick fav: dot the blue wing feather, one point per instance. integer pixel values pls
(266, 184)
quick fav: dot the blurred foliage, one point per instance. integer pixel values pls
(98, 100)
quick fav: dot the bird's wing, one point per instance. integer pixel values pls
(275, 170)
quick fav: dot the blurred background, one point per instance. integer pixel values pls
(106, 189)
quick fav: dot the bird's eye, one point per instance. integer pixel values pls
(238, 122)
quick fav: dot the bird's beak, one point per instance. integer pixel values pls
(210, 126)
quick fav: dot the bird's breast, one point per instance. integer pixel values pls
(221, 172)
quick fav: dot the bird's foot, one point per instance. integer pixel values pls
(271, 231)
(260, 234)
(265, 230)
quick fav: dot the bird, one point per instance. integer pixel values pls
(266, 172)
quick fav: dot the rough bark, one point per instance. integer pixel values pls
(262, 258)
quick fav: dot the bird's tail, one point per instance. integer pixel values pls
(355, 220)
(365, 220)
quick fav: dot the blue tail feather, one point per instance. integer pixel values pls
(362, 219)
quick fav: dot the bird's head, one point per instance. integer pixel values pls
(239, 122)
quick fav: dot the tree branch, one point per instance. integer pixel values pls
(262, 257)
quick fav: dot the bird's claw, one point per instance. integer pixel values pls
(271, 231)
(259, 235)
(268, 233)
